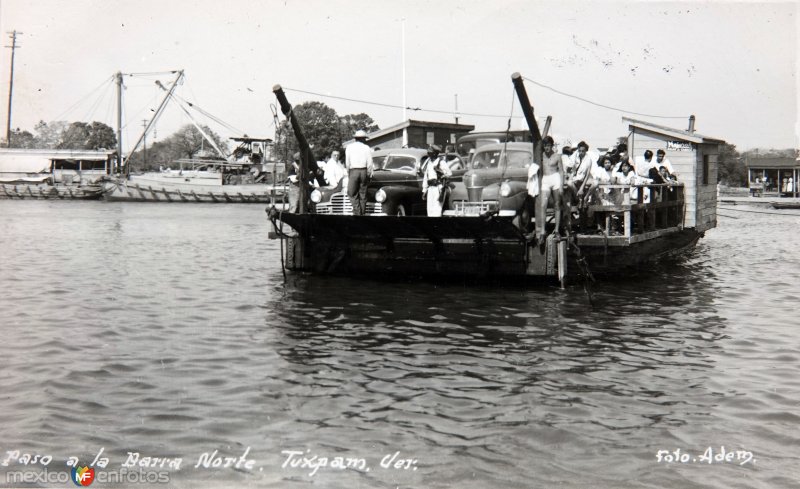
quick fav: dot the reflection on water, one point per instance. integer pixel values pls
(169, 330)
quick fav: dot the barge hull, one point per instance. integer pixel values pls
(457, 247)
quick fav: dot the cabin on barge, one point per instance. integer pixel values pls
(661, 220)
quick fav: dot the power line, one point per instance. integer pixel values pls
(601, 105)
(419, 109)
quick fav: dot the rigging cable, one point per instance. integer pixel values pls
(73, 106)
(601, 105)
(202, 132)
(209, 115)
(152, 73)
(96, 105)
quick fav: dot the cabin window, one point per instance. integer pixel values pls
(705, 169)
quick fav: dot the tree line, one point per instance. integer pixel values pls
(65, 135)
(324, 129)
(186, 142)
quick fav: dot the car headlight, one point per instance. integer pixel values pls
(316, 196)
(380, 196)
(505, 189)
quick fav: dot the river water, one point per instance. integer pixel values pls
(146, 332)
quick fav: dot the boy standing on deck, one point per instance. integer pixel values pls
(552, 183)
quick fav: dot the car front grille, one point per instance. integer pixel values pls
(340, 205)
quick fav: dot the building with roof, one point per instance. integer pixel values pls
(421, 134)
(60, 164)
(694, 158)
(775, 174)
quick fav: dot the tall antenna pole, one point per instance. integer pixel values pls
(11, 85)
(144, 148)
(405, 117)
(456, 112)
(119, 121)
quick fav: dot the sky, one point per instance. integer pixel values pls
(732, 65)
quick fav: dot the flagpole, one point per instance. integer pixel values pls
(405, 117)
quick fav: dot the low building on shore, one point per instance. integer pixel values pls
(773, 175)
(58, 165)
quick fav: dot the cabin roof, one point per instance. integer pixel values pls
(772, 162)
(413, 123)
(59, 154)
(692, 137)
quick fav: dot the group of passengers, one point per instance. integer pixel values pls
(580, 177)
(615, 167)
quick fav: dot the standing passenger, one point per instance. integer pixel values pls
(358, 159)
(334, 171)
(433, 181)
(552, 182)
(582, 163)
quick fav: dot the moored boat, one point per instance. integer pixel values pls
(53, 173)
(39, 191)
(245, 179)
(785, 205)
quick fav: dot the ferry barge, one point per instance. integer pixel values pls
(662, 220)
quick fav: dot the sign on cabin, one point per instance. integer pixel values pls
(679, 146)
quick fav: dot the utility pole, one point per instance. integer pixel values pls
(13, 47)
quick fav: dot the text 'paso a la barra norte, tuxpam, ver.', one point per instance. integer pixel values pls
(303, 460)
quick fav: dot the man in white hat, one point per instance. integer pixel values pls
(358, 160)
(434, 180)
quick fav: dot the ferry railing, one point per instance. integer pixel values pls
(635, 210)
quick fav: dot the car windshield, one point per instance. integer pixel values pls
(491, 159)
(404, 163)
(519, 159)
(465, 147)
(486, 159)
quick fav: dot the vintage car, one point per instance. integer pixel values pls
(496, 182)
(469, 143)
(395, 188)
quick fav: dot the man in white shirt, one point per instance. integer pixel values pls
(644, 164)
(581, 165)
(662, 160)
(334, 171)
(358, 159)
(433, 181)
